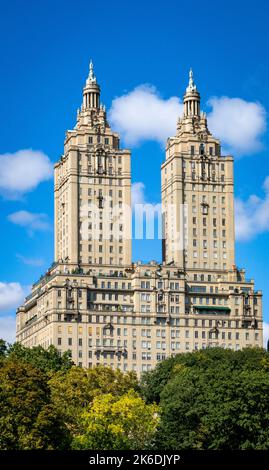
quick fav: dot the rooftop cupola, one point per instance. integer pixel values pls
(91, 91)
(191, 99)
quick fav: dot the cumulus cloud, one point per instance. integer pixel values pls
(265, 334)
(8, 328)
(239, 124)
(11, 295)
(22, 171)
(143, 114)
(252, 215)
(138, 193)
(30, 220)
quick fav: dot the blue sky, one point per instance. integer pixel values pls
(45, 51)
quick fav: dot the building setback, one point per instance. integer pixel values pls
(107, 310)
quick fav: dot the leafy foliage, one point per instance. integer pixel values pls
(47, 360)
(73, 390)
(112, 422)
(211, 399)
(3, 348)
(153, 382)
(207, 399)
(27, 417)
(224, 409)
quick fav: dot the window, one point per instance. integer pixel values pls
(145, 284)
(202, 149)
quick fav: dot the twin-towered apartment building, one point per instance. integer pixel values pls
(106, 309)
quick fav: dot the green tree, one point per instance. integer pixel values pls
(73, 390)
(28, 419)
(153, 382)
(47, 360)
(220, 408)
(118, 423)
(3, 348)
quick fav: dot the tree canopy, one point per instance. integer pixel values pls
(207, 399)
(220, 409)
(118, 422)
(73, 390)
(153, 382)
(28, 419)
(47, 360)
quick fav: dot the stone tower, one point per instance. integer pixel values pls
(197, 195)
(93, 190)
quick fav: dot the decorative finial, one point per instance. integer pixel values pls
(191, 77)
(92, 77)
(191, 86)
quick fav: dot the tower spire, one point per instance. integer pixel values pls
(191, 87)
(91, 77)
(191, 98)
(91, 91)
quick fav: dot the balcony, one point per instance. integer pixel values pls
(117, 350)
(211, 310)
(45, 277)
(31, 320)
(110, 308)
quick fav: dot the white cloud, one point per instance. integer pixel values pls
(239, 124)
(30, 261)
(11, 295)
(30, 220)
(8, 328)
(138, 193)
(143, 115)
(22, 171)
(265, 333)
(252, 215)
